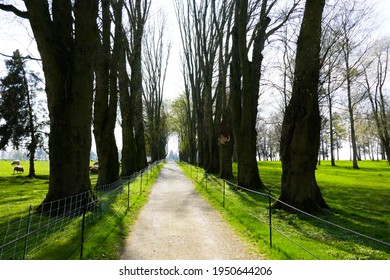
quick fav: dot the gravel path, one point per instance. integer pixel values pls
(177, 224)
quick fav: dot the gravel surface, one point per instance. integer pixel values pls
(177, 224)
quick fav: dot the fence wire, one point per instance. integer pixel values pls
(234, 189)
(27, 236)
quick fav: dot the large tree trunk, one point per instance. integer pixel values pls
(67, 46)
(245, 95)
(301, 125)
(332, 160)
(136, 79)
(136, 95)
(106, 100)
(352, 125)
(129, 147)
(32, 147)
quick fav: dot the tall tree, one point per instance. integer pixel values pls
(331, 61)
(155, 62)
(354, 37)
(13, 103)
(106, 96)
(206, 37)
(376, 93)
(245, 79)
(301, 125)
(66, 35)
(18, 96)
(179, 124)
(129, 159)
(223, 120)
(134, 150)
(138, 11)
(34, 125)
(192, 80)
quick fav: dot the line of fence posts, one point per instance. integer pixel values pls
(83, 231)
(27, 232)
(224, 199)
(270, 218)
(84, 212)
(128, 205)
(128, 194)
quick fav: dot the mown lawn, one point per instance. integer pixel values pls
(17, 192)
(358, 199)
(105, 230)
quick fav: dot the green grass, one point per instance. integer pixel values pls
(105, 230)
(17, 192)
(359, 200)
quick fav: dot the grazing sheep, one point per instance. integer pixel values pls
(16, 162)
(94, 169)
(18, 169)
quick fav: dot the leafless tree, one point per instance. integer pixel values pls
(300, 139)
(155, 62)
(375, 72)
(66, 35)
(131, 90)
(254, 23)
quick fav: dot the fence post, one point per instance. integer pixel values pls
(128, 194)
(206, 180)
(270, 218)
(82, 232)
(223, 196)
(140, 187)
(27, 232)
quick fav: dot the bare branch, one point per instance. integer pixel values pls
(28, 57)
(13, 9)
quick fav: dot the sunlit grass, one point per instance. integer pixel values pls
(358, 200)
(105, 231)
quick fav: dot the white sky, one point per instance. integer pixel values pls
(15, 33)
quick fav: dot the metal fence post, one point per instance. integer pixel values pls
(128, 194)
(82, 232)
(206, 180)
(223, 197)
(140, 187)
(147, 176)
(270, 218)
(27, 232)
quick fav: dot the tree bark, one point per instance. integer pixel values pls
(32, 147)
(331, 132)
(245, 95)
(301, 125)
(138, 19)
(352, 121)
(129, 148)
(67, 37)
(106, 99)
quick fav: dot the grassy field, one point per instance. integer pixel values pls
(105, 230)
(359, 200)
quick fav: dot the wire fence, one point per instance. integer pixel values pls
(258, 205)
(72, 221)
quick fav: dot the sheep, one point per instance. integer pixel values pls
(94, 169)
(18, 169)
(16, 162)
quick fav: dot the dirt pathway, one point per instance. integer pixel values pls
(177, 224)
